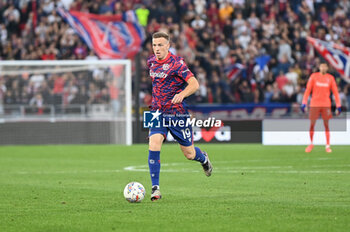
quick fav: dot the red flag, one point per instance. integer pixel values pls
(111, 37)
(336, 55)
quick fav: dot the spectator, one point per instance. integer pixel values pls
(81, 97)
(258, 95)
(246, 92)
(254, 21)
(198, 23)
(225, 11)
(343, 98)
(223, 49)
(284, 50)
(268, 94)
(288, 91)
(205, 33)
(70, 91)
(9, 98)
(36, 79)
(142, 15)
(239, 22)
(244, 39)
(276, 96)
(105, 7)
(2, 95)
(114, 96)
(347, 95)
(260, 75)
(59, 81)
(3, 34)
(37, 102)
(228, 29)
(202, 94)
(281, 80)
(292, 76)
(200, 6)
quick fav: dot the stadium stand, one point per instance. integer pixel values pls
(220, 40)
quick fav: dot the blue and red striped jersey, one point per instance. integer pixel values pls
(169, 77)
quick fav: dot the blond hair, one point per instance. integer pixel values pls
(161, 34)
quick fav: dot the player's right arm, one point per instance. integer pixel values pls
(309, 87)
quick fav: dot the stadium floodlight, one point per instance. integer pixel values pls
(109, 78)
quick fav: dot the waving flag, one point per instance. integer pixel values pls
(262, 61)
(110, 36)
(233, 70)
(337, 55)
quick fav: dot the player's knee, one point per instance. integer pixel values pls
(155, 143)
(189, 155)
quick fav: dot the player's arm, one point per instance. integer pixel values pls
(192, 86)
(336, 95)
(308, 90)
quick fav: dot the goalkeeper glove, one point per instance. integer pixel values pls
(338, 111)
(303, 107)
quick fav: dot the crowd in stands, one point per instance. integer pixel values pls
(211, 35)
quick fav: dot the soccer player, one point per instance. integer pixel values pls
(172, 82)
(320, 84)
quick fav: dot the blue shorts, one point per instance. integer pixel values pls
(183, 134)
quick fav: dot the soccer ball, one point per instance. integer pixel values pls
(134, 192)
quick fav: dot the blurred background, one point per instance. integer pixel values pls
(244, 53)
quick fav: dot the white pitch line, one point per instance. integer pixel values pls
(255, 169)
(312, 172)
(284, 172)
(233, 169)
(65, 172)
(331, 166)
(323, 158)
(141, 169)
(269, 160)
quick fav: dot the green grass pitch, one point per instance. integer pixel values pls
(253, 188)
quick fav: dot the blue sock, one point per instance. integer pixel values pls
(154, 166)
(200, 157)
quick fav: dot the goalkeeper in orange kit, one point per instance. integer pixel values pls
(320, 84)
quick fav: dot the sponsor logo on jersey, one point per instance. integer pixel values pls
(320, 84)
(158, 74)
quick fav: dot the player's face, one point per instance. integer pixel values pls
(323, 68)
(160, 47)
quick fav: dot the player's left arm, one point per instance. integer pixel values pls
(192, 86)
(336, 95)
